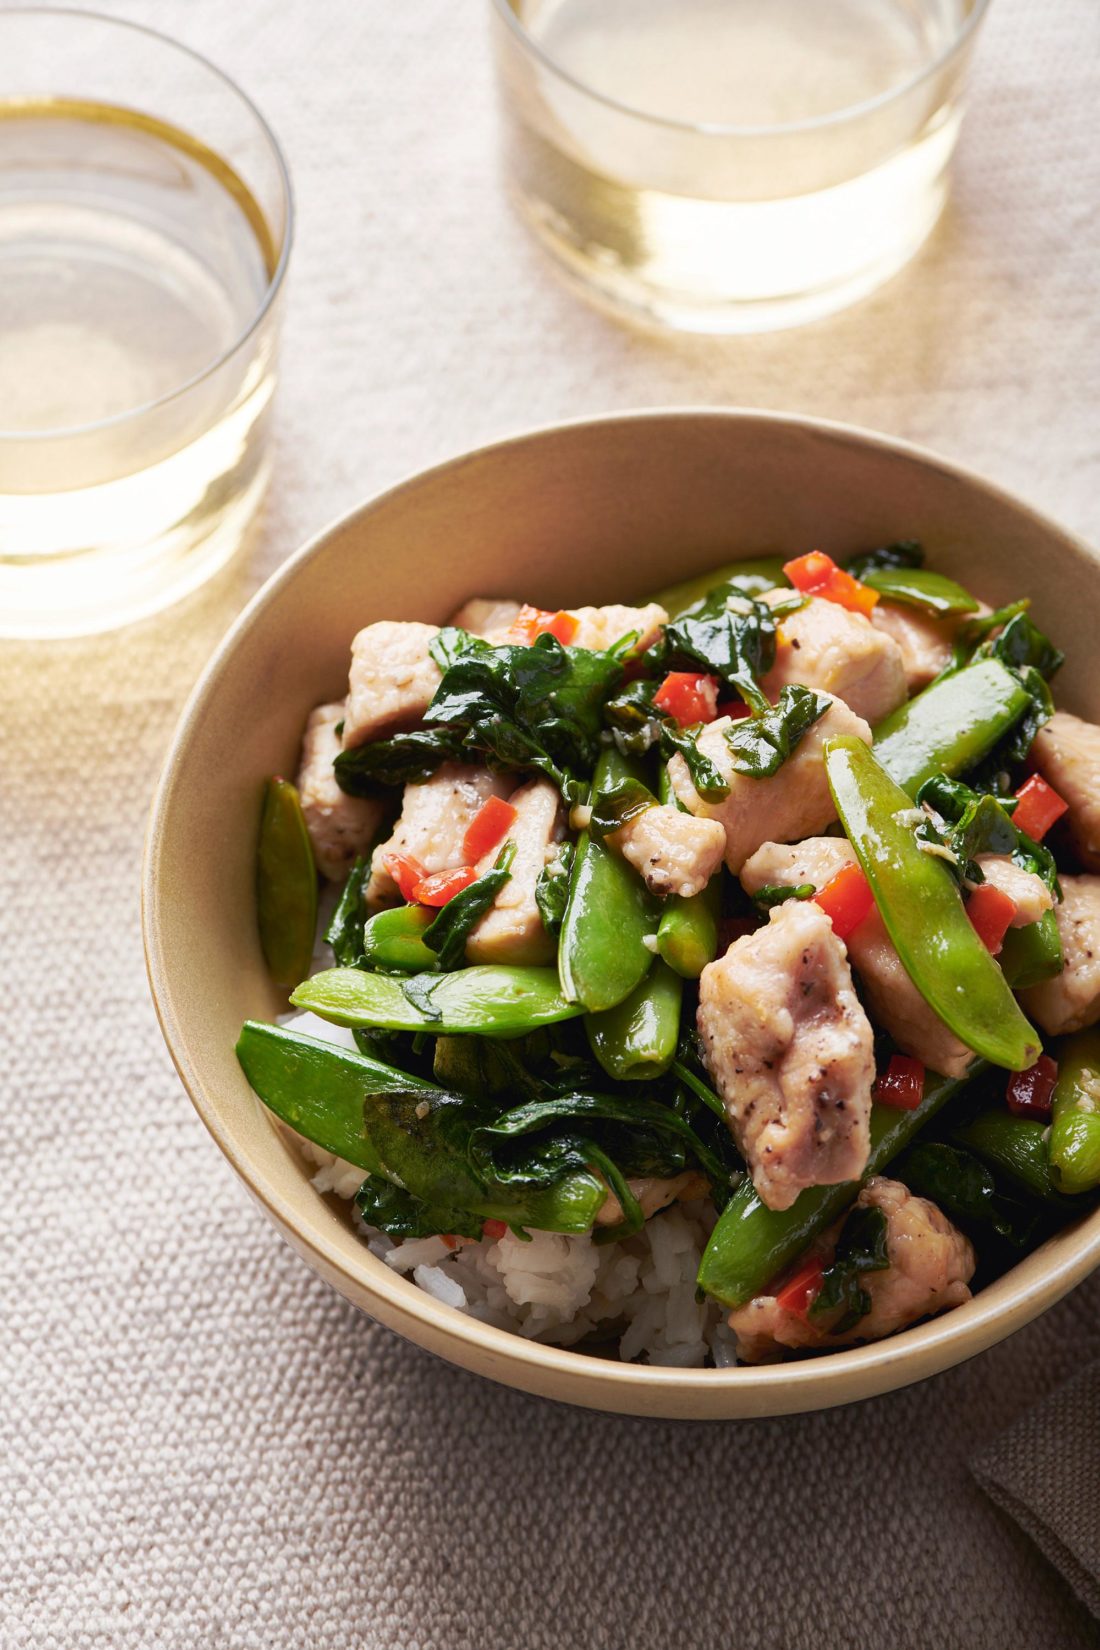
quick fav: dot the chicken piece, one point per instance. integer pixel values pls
(790, 1051)
(486, 616)
(1030, 893)
(655, 1194)
(1067, 754)
(339, 826)
(793, 803)
(824, 646)
(673, 852)
(925, 640)
(602, 627)
(512, 931)
(1071, 1000)
(894, 1001)
(931, 1264)
(393, 678)
(434, 819)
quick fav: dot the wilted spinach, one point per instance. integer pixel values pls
(776, 893)
(404, 759)
(959, 1183)
(762, 742)
(902, 553)
(447, 935)
(396, 1212)
(861, 1248)
(345, 930)
(552, 889)
(618, 805)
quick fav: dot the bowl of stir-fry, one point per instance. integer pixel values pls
(627, 904)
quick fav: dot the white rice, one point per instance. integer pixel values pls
(636, 1295)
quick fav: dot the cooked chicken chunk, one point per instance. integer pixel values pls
(1071, 1000)
(434, 819)
(673, 852)
(1067, 754)
(790, 1052)
(793, 803)
(893, 999)
(602, 627)
(824, 646)
(393, 678)
(1030, 893)
(339, 826)
(512, 930)
(654, 1194)
(924, 639)
(931, 1264)
(486, 616)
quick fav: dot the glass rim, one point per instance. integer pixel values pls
(813, 123)
(275, 280)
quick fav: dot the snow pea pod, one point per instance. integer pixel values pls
(920, 587)
(1032, 954)
(1074, 1143)
(397, 1126)
(924, 914)
(751, 1243)
(951, 725)
(493, 1001)
(637, 1038)
(687, 935)
(1018, 1147)
(751, 577)
(602, 953)
(286, 884)
(395, 939)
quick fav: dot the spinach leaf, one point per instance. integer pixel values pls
(1022, 646)
(535, 707)
(635, 722)
(902, 553)
(451, 644)
(406, 759)
(447, 935)
(762, 742)
(959, 1183)
(419, 990)
(618, 805)
(774, 893)
(552, 889)
(861, 1247)
(345, 930)
(706, 776)
(401, 1215)
(735, 642)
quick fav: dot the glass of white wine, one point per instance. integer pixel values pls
(731, 165)
(145, 227)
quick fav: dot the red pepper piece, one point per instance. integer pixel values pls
(901, 1085)
(494, 1229)
(1038, 807)
(846, 899)
(407, 872)
(1030, 1093)
(991, 912)
(818, 575)
(532, 622)
(489, 826)
(688, 697)
(442, 886)
(800, 1291)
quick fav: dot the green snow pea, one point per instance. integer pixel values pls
(395, 939)
(920, 587)
(397, 1126)
(1032, 954)
(1074, 1144)
(752, 578)
(924, 914)
(637, 1038)
(687, 935)
(951, 725)
(1018, 1147)
(286, 884)
(752, 1243)
(602, 953)
(493, 1001)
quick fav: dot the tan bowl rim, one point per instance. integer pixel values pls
(840, 1376)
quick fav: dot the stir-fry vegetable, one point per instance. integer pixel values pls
(486, 1000)
(637, 1038)
(1074, 1144)
(286, 885)
(952, 725)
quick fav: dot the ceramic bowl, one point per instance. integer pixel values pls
(602, 510)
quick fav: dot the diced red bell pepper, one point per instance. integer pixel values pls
(800, 1291)
(735, 709)
(407, 872)
(991, 911)
(449, 1240)
(532, 622)
(494, 1229)
(688, 697)
(1030, 1093)
(442, 886)
(1038, 807)
(846, 899)
(901, 1085)
(488, 827)
(818, 575)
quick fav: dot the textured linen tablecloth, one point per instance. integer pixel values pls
(200, 1444)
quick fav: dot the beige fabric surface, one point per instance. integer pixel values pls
(200, 1445)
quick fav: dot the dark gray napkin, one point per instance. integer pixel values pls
(1045, 1473)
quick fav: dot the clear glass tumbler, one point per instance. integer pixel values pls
(731, 165)
(145, 227)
